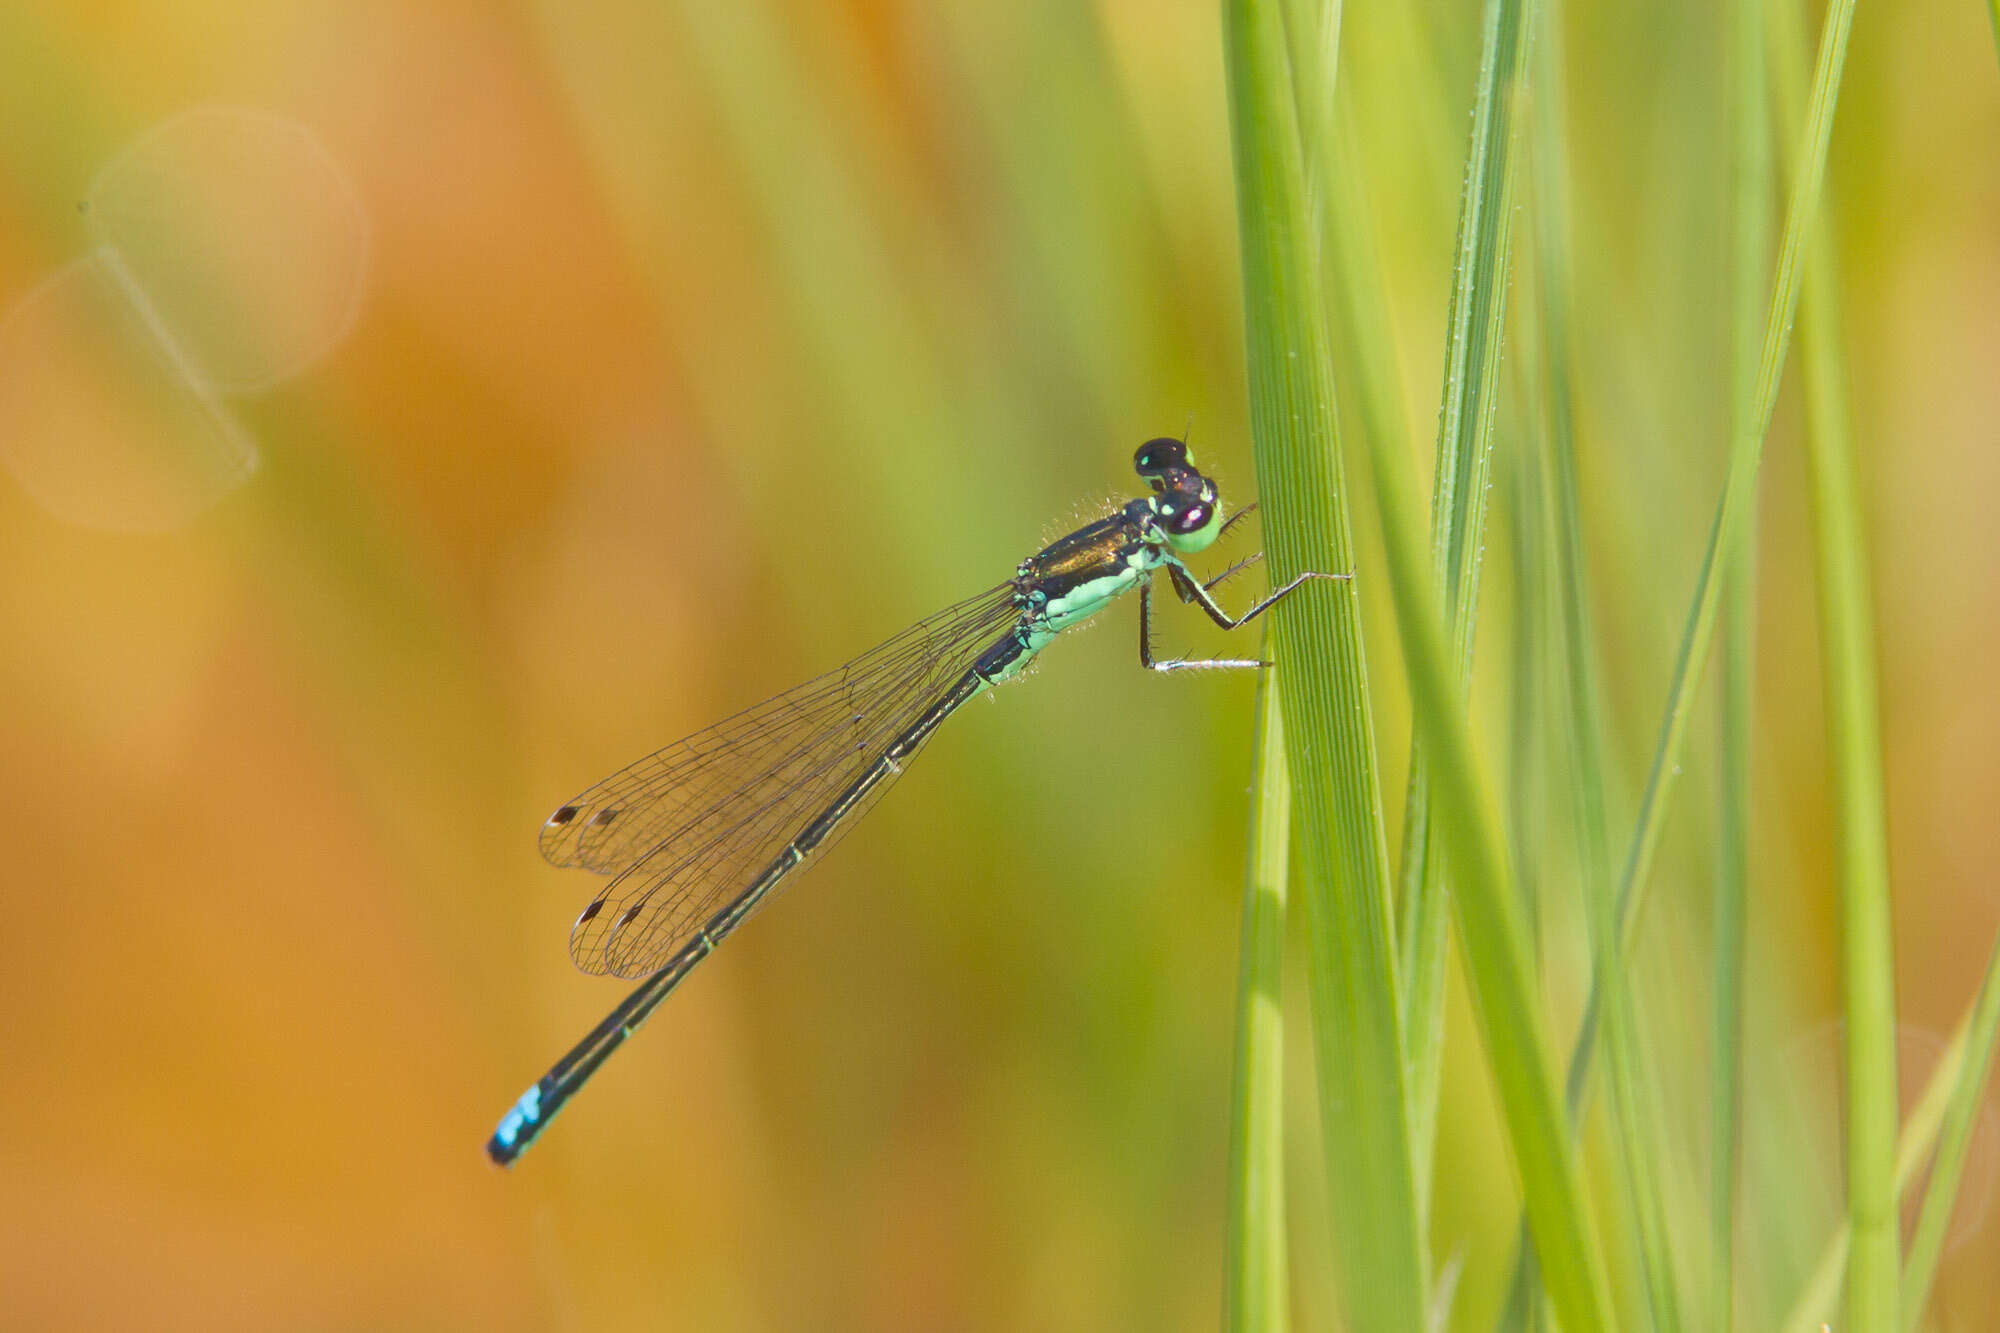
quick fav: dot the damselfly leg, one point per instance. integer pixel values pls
(1188, 589)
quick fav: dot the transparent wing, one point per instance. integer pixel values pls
(689, 827)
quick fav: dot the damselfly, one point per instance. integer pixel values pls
(696, 836)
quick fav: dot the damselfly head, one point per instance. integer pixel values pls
(1189, 509)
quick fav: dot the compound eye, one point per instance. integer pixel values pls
(1191, 519)
(1157, 457)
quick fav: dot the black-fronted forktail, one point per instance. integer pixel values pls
(696, 836)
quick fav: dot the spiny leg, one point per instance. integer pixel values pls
(1147, 660)
(1236, 518)
(1192, 591)
(1236, 567)
(1218, 580)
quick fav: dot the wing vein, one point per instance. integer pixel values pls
(696, 823)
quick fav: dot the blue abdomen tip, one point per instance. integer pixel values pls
(524, 1120)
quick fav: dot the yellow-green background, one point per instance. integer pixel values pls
(704, 345)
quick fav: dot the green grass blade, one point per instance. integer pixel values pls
(1361, 303)
(1635, 1128)
(1739, 490)
(1815, 1304)
(1737, 497)
(1575, 666)
(1458, 521)
(1474, 327)
(1750, 191)
(1373, 386)
(1635, 1123)
(1947, 1085)
(1489, 913)
(1256, 1288)
(1528, 673)
(1968, 1091)
(1641, 1141)
(1738, 493)
(1731, 924)
(1313, 30)
(1330, 742)
(1854, 742)
(1489, 925)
